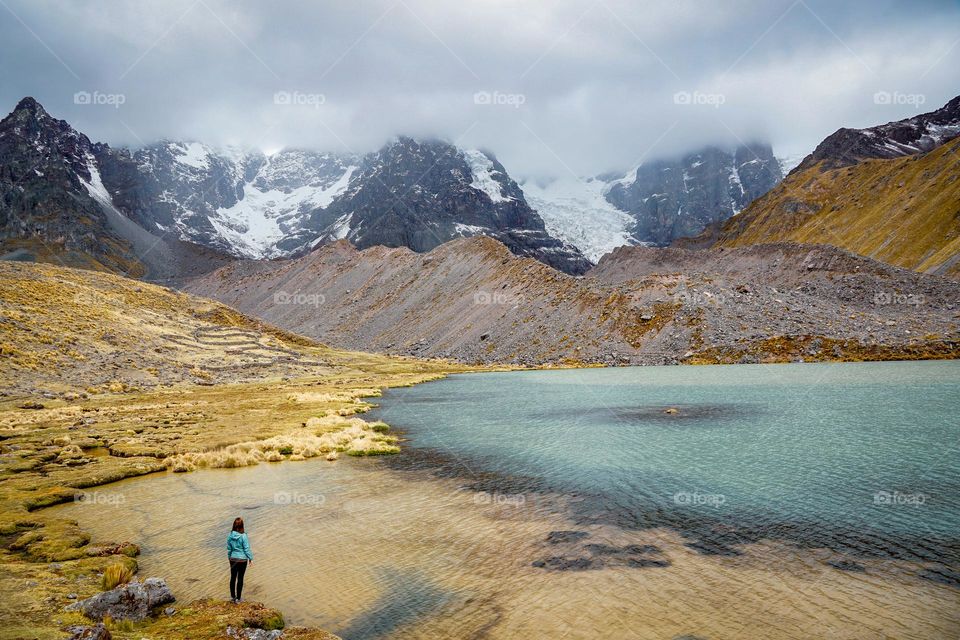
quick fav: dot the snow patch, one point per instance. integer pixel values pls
(95, 186)
(481, 167)
(576, 212)
(191, 154)
(262, 218)
(469, 229)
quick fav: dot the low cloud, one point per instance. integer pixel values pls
(551, 86)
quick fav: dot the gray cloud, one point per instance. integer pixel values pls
(550, 86)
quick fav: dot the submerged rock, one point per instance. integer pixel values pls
(559, 563)
(133, 601)
(560, 537)
(847, 565)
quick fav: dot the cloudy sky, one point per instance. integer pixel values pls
(551, 86)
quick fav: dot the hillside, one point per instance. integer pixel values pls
(71, 332)
(904, 211)
(105, 378)
(893, 198)
(473, 301)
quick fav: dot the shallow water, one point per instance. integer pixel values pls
(787, 501)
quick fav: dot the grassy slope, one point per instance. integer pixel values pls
(59, 326)
(904, 211)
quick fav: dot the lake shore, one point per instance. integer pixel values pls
(63, 451)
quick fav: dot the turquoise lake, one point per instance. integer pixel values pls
(742, 502)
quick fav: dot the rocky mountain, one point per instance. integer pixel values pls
(656, 202)
(472, 300)
(237, 201)
(420, 194)
(411, 193)
(56, 207)
(906, 137)
(888, 192)
(674, 199)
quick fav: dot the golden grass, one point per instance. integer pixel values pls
(902, 211)
(116, 574)
(109, 419)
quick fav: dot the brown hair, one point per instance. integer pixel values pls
(238, 525)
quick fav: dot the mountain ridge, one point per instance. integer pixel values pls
(891, 199)
(473, 301)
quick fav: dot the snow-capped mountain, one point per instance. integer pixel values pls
(417, 194)
(906, 137)
(56, 203)
(234, 200)
(410, 193)
(656, 202)
(240, 202)
(423, 193)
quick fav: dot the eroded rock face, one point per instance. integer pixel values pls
(679, 198)
(133, 601)
(906, 137)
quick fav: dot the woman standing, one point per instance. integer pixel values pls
(238, 552)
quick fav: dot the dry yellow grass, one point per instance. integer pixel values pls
(139, 379)
(117, 574)
(904, 211)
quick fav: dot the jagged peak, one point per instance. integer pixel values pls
(31, 105)
(30, 109)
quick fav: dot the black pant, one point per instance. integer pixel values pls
(237, 569)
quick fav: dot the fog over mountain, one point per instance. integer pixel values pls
(555, 88)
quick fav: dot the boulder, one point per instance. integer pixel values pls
(133, 601)
(254, 634)
(88, 632)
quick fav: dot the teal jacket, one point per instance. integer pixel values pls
(238, 547)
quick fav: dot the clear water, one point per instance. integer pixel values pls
(790, 501)
(821, 453)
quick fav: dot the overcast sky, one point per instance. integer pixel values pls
(550, 86)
